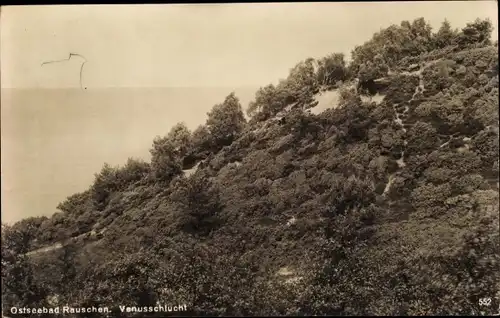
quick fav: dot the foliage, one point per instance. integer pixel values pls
(373, 69)
(297, 89)
(19, 287)
(394, 43)
(226, 121)
(476, 33)
(165, 160)
(339, 213)
(445, 36)
(201, 139)
(180, 136)
(332, 69)
(199, 202)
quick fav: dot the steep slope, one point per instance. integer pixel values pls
(383, 203)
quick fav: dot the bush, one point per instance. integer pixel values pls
(199, 204)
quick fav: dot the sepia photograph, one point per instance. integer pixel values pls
(250, 159)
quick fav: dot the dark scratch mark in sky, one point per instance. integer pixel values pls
(67, 59)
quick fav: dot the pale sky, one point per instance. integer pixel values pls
(196, 45)
(54, 140)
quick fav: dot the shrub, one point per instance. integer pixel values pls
(199, 203)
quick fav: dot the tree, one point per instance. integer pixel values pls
(269, 100)
(105, 183)
(371, 70)
(22, 234)
(347, 195)
(201, 145)
(58, 271)
(129, 277)
(445, 36)
(226, 121)
(422, 34)
(134, 170)
(298, 88)
(75, 204)
(180, 136)
(19, 287)
(301, 83)
(485, 110)
(477, 32)
(394, 43)
(485, 144)
(201, 138)
(445, 113)
(165, 160)
(301, 124)
(422, 139)
(331, 68)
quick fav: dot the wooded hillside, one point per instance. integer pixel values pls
(367, 208)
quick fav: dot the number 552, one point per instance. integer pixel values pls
(485, 302)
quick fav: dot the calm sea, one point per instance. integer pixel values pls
(54, 140)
